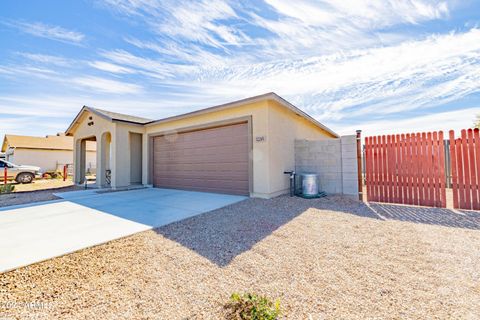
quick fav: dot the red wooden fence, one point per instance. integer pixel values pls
(465, 161)
(406, 169)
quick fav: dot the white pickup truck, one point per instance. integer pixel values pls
(19, 173)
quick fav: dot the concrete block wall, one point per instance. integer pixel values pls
(334, 160)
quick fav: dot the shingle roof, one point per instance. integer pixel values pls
(113, 116)
(270, 95)
(121, 116)
(46, 143)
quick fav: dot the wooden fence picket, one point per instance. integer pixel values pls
(460, 172)
(473, 175)
(453, 160)
(410, 169)
(442, 177)
(476, 137)
(406, 169)
(465, 164)
(466, 167)
(423, 168)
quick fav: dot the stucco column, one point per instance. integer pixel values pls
(100, 181)
(113, 159)
(103, 158)
(120, 157)
(79, 160)
(147, 149)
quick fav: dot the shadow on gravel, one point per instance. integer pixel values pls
(223, 234)
(432, 216)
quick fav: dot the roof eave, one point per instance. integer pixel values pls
(129, 122)
(266, 96)
(303, 114)
(211, 109)
(69, 131)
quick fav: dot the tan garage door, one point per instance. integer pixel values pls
(211, 160)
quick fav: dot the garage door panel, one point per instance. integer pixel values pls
(230, 154)
(204, 160)
(176, 145)
(208, 185)
(237, 187)
(201, 161)
(186, 174)
(202, 166)
(168, 146)
(212, 160)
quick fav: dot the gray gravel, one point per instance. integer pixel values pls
(25, 197)
(325, 259)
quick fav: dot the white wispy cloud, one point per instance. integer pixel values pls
(327, 26)
(40, 29)
(411, 75)
(197, 21)
(22, 71)
(382, 81)
(110, 67)
(150, 67)
(339, 61)
(445, 121)
(299, 27)
(107, 85)
(45, 58)
(172, 51)
(364, 14)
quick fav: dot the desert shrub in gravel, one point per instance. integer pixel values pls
(6, 188)
(250, 306)
(53, 175)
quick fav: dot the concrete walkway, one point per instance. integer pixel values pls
(40, 231)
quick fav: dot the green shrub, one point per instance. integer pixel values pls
(250, 306)
(6, 188)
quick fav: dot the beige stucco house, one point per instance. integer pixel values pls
(242, 147)
(49, 153)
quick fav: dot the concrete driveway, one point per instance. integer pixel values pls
(40, 231)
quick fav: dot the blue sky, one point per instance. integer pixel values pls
(381, 66)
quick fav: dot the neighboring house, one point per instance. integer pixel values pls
(49, 153)
(242, 147)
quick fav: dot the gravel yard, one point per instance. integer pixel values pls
(24, 197)
(43, 184)
(327, 258)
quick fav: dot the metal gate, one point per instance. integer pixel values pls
(406, 169)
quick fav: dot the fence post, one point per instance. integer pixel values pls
(359, 164)
(5, 174)
(64, 173)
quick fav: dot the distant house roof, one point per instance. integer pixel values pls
(113, 116)
(45, 143)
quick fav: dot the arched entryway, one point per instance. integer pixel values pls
(85, 165)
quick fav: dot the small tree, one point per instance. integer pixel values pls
(476, 124)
